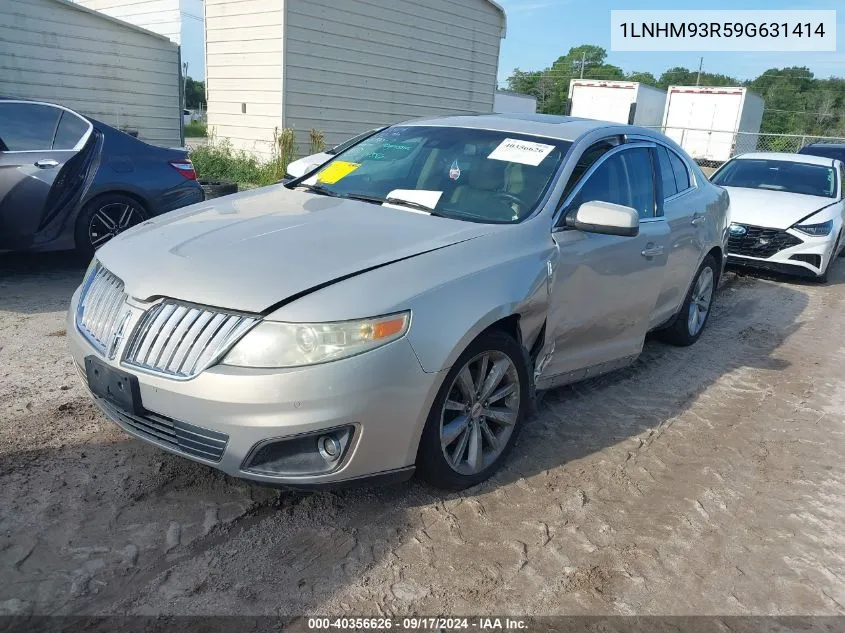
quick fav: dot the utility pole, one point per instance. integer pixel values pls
(700, 64)
(185, 85)
(583, 61)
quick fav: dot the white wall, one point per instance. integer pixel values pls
(55, 51)
(351, 65)
(159, 16)
(243, 67)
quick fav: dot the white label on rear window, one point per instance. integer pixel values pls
(525, 152)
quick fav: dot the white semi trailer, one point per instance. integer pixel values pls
(713, 123)
(616, 101)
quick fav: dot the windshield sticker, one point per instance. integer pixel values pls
(513, 150)
(454, 171)
(420, 196)
(397, 147)
(336, 171)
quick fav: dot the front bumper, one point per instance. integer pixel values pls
(384, 394)
(809, 258)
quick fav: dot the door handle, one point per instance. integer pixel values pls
(46, 163)
(698, 218)
(652, 250)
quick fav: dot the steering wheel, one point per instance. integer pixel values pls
(509, 199)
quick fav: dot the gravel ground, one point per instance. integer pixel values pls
(706, 480)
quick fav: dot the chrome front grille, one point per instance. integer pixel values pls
(180, 341)
(100, 307)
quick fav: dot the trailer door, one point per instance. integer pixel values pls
(605, 103)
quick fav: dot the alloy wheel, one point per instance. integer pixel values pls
(702, 296)
(479, 413)
(110, 220)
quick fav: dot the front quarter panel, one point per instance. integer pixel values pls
(454, 293)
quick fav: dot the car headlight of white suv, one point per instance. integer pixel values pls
(816, 230)
(276, 344)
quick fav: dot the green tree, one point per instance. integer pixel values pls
(194, 93)
(643, 78)
(795, 101)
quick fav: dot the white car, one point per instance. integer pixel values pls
(787, 211)
(299, 168)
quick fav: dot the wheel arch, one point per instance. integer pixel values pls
(718, 255)
(102, 194)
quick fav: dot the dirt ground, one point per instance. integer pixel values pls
(707, 480)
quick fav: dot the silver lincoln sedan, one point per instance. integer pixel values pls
(396, 309)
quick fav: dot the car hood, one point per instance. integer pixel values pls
(772, 209)
(252, 250)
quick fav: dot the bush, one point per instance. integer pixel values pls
(218, 161)
(195, 129)
(318, 141)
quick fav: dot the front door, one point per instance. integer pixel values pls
(36, 141)
(604, 288)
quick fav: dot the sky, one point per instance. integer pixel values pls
(540, 31)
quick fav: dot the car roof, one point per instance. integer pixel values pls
(831, 145)
(807, 159)
(564, 128)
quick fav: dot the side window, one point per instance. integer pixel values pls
(667, 174)
(681, 172)
(625, 178)
(588, 158)
(27, 126)
(70, 131)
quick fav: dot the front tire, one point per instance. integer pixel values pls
(477, 414)
(695, 311)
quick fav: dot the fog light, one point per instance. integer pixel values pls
(329, 447)
(309, 454)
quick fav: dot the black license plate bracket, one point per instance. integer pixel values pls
(117, 387)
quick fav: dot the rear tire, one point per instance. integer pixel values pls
(687, 327)
(466, 437)
(104, 217)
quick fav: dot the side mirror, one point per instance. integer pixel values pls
(606, 218)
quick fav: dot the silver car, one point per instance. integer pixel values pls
(398, 310)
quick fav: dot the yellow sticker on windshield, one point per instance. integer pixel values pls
(336, 170)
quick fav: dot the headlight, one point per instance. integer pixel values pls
(274, 344)
(816, 230)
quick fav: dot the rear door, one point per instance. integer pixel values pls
(687, 229)
(36, 141)
(605, 287)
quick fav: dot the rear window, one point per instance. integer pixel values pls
(70, 131)
(778, 175)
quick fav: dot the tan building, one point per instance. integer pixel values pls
(344, 66)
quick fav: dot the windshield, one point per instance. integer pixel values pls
(337, 149)
(467, 174)
(778, 175)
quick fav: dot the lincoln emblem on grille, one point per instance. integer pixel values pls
(119, 333)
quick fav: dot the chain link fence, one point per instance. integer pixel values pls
(714, 147)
